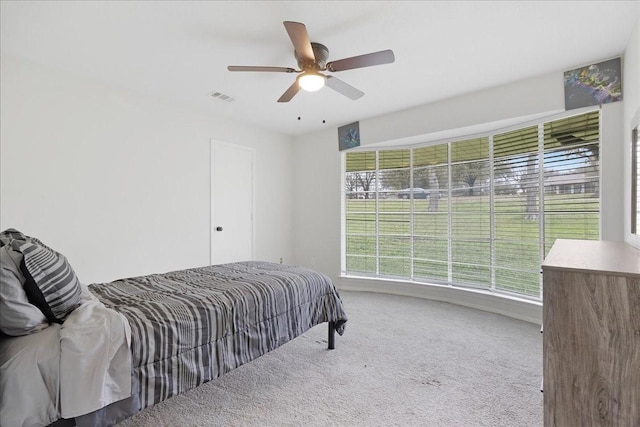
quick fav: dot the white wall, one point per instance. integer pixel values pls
(318, 170)
(542, 94)
(631, 109)
(119, 182)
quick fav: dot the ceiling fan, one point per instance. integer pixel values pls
(312, 59)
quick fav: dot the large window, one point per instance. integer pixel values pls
(479, 212)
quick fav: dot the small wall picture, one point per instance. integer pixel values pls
(595, 84)
(349, 136)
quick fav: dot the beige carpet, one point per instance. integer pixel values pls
(401, 362)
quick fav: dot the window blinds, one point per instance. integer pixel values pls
(478, 212)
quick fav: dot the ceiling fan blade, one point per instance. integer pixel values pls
(343, 88)
(252, 68)
(300, 39)
(290, 93)
(366, 60)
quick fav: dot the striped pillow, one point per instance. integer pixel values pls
(50, 282)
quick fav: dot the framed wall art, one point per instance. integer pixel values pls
(595, 84)
(349, 136)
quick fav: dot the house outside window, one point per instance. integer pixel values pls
(480, 212)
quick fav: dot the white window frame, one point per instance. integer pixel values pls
(490, 134)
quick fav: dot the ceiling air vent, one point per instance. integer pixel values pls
(221, 97)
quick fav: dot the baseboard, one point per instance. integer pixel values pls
(517, 308)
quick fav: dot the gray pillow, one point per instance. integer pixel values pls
(50, 282)
(17, 315)
(11, 234)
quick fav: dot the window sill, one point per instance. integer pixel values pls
(504, 304)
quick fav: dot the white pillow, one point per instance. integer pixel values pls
(17, 315)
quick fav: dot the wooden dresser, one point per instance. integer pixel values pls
(591, 334)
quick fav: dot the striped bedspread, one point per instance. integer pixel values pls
(191, 326)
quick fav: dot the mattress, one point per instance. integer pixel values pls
(191, 326)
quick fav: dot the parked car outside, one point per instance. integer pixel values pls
(418, 193)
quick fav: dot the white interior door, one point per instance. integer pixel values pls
(232, 228)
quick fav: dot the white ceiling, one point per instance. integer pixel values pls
(179, 50)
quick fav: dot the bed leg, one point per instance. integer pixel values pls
(332, 335)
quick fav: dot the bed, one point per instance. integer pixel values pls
(129, 344)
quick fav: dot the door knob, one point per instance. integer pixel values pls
(218, 228)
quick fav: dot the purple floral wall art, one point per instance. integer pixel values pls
(595, 84)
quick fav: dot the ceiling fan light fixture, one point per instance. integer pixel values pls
(312, 58)
(311, 81)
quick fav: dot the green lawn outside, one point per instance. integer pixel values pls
(516, 257)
